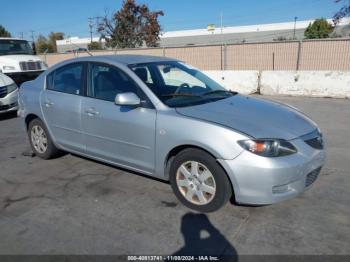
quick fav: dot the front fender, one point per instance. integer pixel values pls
(174, 130)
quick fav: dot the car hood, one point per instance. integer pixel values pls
(255, 117)
(5, 80)
(20, 58)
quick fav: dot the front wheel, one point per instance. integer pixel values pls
(40, 140)
(199, 181)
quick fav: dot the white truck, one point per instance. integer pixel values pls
(18, 60)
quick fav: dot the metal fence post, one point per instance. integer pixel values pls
(225, 57)
(298, 57)
(221, 57)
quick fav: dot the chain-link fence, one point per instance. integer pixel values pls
(329, 54)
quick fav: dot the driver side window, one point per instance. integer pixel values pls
(106, 81)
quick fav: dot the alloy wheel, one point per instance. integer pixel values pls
(39, 139)
(196, 183)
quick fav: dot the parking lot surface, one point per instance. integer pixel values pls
(73, 205)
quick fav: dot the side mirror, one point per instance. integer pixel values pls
(127, 99)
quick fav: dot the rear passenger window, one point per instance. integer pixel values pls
(67, 79)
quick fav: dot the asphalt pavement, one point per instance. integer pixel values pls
(72, 205)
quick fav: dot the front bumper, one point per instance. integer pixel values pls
(21, 77)
(9, 103)
(261, 181)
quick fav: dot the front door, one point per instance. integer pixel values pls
(120, 134)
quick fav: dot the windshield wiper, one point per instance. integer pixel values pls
(183, 95)
(219, 91)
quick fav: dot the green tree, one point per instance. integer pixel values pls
(52, 38)
(4, 32)
(320, 28)
(132, 26)
(41, 44)
(343, 12)
(95, 46)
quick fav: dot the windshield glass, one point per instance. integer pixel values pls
(179, 85)
(15, 47)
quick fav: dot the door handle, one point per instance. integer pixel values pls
(48, 103)
(91, 112)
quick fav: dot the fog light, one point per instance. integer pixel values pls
(280, 189)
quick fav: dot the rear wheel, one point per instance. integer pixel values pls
(40, 140)
(199, 181)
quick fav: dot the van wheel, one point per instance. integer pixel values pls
(40, 140)
(199, 182)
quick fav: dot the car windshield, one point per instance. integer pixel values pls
(15, 47)
(179, 85)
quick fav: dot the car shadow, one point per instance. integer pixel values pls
(202, 238)
(8, 116)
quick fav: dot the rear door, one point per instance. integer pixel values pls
(120, 134)
(61, 104)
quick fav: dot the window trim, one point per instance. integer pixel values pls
(145, 101)
(83, 78)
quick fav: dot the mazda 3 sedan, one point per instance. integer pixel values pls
(163, 118)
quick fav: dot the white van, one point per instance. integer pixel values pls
(18, 61)
(8, 94)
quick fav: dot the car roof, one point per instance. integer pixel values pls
(125, 59)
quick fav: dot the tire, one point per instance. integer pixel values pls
(183, 187)
(50, 149)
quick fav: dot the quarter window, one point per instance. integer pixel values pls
(108, 81)
(67, 79)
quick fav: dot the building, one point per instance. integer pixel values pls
(225, 35)
(73, 44)
(242, 34)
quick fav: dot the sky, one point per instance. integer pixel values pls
(71, 16)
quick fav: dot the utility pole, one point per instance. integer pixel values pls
(21, 35)
(33, 41)
(91, 26)
(92, 22)
(295, 27)
(32, 34)
(222, 26)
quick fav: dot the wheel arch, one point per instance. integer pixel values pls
(29, 118)
(176, 150)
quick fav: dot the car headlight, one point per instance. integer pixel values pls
(268, 147)
(9, 68)
(11, 88)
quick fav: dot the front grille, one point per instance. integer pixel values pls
(311, 177)
(30, 65)
(7, 107)
(3, 91)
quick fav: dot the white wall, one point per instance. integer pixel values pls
(334, 84)
(306, 83)
(244, 82)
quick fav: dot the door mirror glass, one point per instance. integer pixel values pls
(127, 99)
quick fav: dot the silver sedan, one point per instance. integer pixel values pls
(163, 118)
